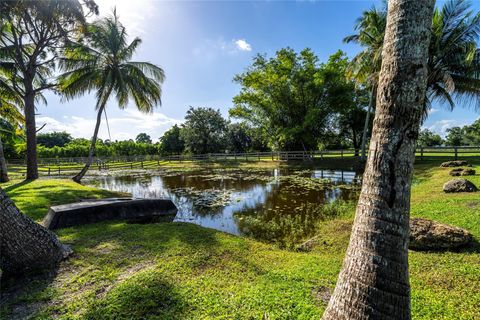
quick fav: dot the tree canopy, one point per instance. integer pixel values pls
(204, 131)
(293, 98)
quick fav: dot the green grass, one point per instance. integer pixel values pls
(34, 198)
(183, 271)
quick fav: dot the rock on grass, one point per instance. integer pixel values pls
(459, 185)
(431, 235)
(455, 163)
(462, 172)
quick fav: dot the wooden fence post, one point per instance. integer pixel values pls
(456, 153)
(421, 153)
(48, 170)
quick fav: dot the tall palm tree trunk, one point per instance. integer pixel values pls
(31, 133)
(374, 280)
(3, 164)
(371, 103)
(91, 152)
(26, 246)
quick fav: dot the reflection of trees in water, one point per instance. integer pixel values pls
(263, 204)
(289, 215)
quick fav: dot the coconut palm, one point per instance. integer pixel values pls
(10, 104)
(102, 62)
(453, 62)
(374, 280)
(10, 111)
(366, 65)
(34, 31)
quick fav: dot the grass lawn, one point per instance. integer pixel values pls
(183, 271)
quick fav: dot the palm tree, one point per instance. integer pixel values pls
(454, 57)
(10, 105)
(26, 246)
(101, 62)
(453, 63)
(374, 280)
(33, 31)
(366, 65)
(9, 111)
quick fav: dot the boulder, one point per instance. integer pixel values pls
(431, 235)
(455, 163)
(462, 172)
(459, 185)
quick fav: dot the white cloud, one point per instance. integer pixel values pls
(121, 128)
(243, 45)
(441, 126)
(433, 110)
(211, 49)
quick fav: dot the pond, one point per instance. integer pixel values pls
(276, 205)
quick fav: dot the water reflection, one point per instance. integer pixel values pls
(263, 194)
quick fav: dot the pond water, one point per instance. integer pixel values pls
(266, 204)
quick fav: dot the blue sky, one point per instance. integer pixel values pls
(201, 45)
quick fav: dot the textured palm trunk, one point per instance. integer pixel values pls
(3, 164)
(374, 280)
(371, 104)
(91, 152)
(31, 133)
(25, 245)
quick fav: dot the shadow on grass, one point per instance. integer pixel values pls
(17, 185)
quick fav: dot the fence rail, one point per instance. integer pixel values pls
(59, 166)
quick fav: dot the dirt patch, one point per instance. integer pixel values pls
(322, 294)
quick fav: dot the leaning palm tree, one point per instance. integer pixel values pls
(374, 280)
(453, 56)
(365, 66)
(101, 62)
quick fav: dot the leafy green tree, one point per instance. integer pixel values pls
(101, 61)
(472, 133)
(239, 139)
(52, 139)
(454, 136)
(204, 131)
(31, 34)
(290, 97)
(427, 138)
(143, 138)
(172, 142)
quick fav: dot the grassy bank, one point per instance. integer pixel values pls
(182, 271)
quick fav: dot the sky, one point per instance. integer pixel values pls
(201, 45)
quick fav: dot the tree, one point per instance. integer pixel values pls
(239, 139)
(365, 66)
(472, 133)
(172, 142)
(10, 105)
(453, 59)
(26, 246)
(143, 138)
(351, 123)
(454, 136)
(374, 280)
(52, 139)
(427, 138)
(32, 31)
(204, 131)
(291, 97)
(101, 61)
